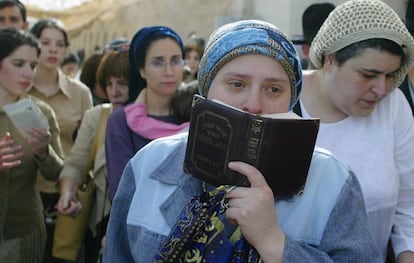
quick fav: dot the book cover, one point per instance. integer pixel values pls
(25, 115)
(280, 146)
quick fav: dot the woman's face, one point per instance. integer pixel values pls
(163, 68)
(53, 48)
(117, 90)
(17, 70)
(358, 85)
(192, 60)
(253, 83)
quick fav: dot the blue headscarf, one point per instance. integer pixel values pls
(137, 51)
(249, 37)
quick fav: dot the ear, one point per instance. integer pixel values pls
(26, 26)
(329, 62)
(142, 72)
(305, 51)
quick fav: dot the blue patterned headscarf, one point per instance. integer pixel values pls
(138, 50)
(249, 37)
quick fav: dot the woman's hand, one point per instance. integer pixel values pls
(10, 153)
(253, 209)
(68, 203)
(39, 141)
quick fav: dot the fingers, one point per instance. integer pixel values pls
(254, 176)
(10, 153)
(39, 140)
(72, 209)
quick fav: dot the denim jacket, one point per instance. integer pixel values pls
(327, 223)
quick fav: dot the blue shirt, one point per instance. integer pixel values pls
(327, 223)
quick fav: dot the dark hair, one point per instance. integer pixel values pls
(182, 100)
(137, 53)
(409, 17)
(89, 69)
(71, 58)
(193, 45)
(312, 19)
(113, 64)
(42, 24)
(11, 39)
(18, 4)
(355, 49)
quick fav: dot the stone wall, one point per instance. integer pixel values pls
(201, 16)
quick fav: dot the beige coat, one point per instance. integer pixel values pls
(76, 162)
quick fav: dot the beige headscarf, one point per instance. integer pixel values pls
(358, 20)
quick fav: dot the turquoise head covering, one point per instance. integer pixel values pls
(249, 37)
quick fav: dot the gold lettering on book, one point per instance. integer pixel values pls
(253, 140)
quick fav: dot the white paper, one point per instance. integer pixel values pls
(25, 115)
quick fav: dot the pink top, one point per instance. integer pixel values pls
(150, 128)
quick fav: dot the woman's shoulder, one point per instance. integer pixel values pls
(118, 114)
(72, 85)
(326, 166)
(41, 104)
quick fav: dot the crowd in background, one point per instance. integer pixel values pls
(360, 86)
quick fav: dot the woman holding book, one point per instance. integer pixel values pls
(250, 65)
(23, 234)
(365, 120)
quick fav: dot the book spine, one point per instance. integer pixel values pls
(254, 134)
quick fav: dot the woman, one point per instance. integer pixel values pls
(112, 74)
(250, 65)
(193, 54)
(361, 58)
(88, 77)
(68, 97)
(23, 234)
(156, 66)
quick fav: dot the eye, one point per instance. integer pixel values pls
(18, 63)
(236, 84)
(368, 76)
(158, 63)
(274, 89)
(123, 82)
(177, 62)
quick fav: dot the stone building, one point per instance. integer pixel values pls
(96, 22)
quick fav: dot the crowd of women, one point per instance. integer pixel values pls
(357, 202)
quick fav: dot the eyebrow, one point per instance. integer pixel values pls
(162, 57)
(240, 75)
(374, 71)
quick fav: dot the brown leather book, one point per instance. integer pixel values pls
(280, 146)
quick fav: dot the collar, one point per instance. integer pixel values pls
(170, 171)
(64, 83)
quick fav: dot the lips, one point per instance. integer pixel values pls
(52, 60)
(169, 84)
(370, 103)
(24, 85)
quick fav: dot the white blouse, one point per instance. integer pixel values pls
(379, 149)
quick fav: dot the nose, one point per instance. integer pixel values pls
(53, 48)
(113, 89)
(381, 86)
(253, 103)
(168, 68)
(28, 72)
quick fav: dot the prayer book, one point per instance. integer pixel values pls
(279, 145)
(25, 115)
